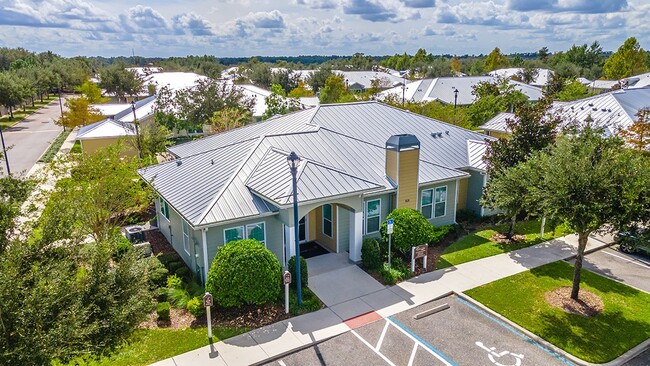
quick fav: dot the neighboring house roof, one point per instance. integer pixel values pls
(143, 109)
(173, 80)
(638, 81)
(442, 90)
(107, 128)
(109, 110)
(258, 95)
(244, 172)
(498, 122)
(365, 78)
(603, 84)
(542, 78)
(612, 111)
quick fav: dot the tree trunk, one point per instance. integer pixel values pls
(11, 113)
(33, 105)
(582, 244)
(41, 95)
(511, 230)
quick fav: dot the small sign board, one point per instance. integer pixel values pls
(389, 226)
(420, 251)
(207, 300)
(287, 277)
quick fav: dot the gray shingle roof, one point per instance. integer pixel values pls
(222, 177)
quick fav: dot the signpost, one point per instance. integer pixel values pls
(208, 302)
(286, 279)
(417, 252)
(389, 231)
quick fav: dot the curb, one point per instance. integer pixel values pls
(621, 360)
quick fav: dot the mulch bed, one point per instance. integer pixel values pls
(503, 239)
(245, 316)
(587, 305)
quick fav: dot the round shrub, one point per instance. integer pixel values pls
(304, 276)
(175, 266)
(244, 272)
(174, 281)
(195, 307)
(157, 272)
(161, 294)
(184, 273)
(371, 254)
(162, 309)
(410, 229)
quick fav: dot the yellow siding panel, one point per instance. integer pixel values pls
(462, 194)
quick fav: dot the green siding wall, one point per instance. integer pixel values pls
(474, 191)
(385, 210)
(450, 213)
(343, 232)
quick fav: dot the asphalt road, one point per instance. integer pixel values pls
(630, 269)
(459, 335)
(641, 360)
(29, 139)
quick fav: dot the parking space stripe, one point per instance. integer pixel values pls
(514, 331)
(415, 349)
(372, 348)
(381, 337)
(439, 355)
(635, 261)
(282, 363)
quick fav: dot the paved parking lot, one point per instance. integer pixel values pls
(631, 269)
(460, 335)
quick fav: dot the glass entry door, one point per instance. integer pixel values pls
(301, 230)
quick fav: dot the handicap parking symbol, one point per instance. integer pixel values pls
(494, 356)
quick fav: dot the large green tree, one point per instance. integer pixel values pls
(630, 59)
(120, 82)
(591, 182)
(278, 103)
(493, 98)
(495, 60)
(79, 113)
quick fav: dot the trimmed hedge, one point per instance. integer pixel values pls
(244, 272)
(371, 254)
(410, 229)
(174, 281)
(162, 309)
(304, 275)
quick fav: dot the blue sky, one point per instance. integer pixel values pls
(294, 27)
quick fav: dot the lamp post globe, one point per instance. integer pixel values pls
(293, 160)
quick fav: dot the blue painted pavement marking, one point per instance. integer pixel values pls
(514, 331)
(425, 343)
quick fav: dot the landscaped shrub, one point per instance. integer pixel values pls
(161, 294)
(175, 266)
(304, 276)
(410, 229)
(244, 272)
(157, 272)
(195, 307)
(371, 254)
(163, 311)
(184, 273)
(390, 276)
(440, 232)
(464, 215)
(174, 281)
(167, 258)
(122, 244)
(178, 297)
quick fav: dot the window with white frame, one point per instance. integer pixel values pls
(426, 203)
(164, 207)
(233, 234)
(257, 232)
(440, 201)
(327, 219)
(186, 237)
(373, 210)
(434, 202)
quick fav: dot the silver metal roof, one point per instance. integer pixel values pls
(442, 89)
(342, 147)
(476, 151)
(498, 122)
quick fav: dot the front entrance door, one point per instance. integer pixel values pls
(301, 230)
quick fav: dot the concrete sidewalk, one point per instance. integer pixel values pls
(286, 336)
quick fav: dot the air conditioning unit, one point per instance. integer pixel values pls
(135, 233)
(145, 247)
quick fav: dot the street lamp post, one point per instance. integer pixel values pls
(293, 161)
(455, 97)
(137, 130)
(4, 151)
(61, 106)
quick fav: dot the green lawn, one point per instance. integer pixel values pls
(76, 148)
(623, 324)
(478, 245)
(19, 114)
(151, 345)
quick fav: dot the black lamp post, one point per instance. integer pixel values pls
(4, 151)
(293, 161)
(455, 97)
(137, 130)
(61, 105)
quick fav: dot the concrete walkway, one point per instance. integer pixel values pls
(286, 336)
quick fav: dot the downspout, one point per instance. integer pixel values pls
(204, 236)
(456, 200)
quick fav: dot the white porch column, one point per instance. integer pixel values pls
(356, 235)
(289, 242)
(204, 237)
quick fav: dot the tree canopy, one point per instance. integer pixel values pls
(630, 59)
(79, 113)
